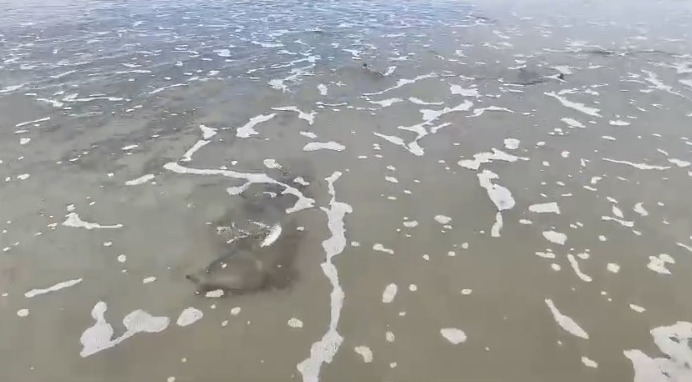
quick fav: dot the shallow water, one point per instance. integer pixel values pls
(501, 194)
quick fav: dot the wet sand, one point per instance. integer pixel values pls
(500, 195)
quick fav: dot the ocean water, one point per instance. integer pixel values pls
(364, 190)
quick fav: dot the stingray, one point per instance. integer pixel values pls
(252, 263)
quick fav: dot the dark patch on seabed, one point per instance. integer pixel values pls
(337, 191)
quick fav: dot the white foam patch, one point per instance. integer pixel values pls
(100, 336)
(301, 181)
(35, 121)
(592, 111)
(618, 122)
(545, 208)
(141, 180)
(217, 293)
(479, 111)
(486, 157)
(429, 116)
(641, 166)
(410, 224)
(679, 163)
(389, 293)
(302, 203)
(403, 82)
(658, 263)
(464, 92)
(323, 89)
(22, 312)
(400, 142)
(555, 237)
(272, 236)
(308, 134)
(499, 195)
(73, 220)
(271, 163)
(248, 130)
(624, 223)
(323, 351)
(207, 132)
(11, 88)
(187, 157)
(442, 219)
(657, 84)
(571, 122)
(497, 226)
(637, 308)
(189, 316)
(53, 288)
(563, 69)
(387, 102)
(364, 352)
(675, 366)
(511, 143)
(565, 322)
(617, 212)
(278, 84)
(155, 91)
(331, 145)
(295, 323)
(309, 117)
(418, 101)
(223, 52)
(589, 362)
(575, 266)
(613, 268)
(453, 335)
(545, 255)
(381, 248)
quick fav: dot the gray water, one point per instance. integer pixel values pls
(499, 194)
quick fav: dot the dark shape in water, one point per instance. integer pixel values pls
(371, 72)
(247, 266)
(598, 52)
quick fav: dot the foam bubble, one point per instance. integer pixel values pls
(100, 336)
(673, 341)
(189, 316)
(295, 323)
(453, 335)
(555, 237)
(364, 352)
(551, 207)
(53, 288)
(565, 322)
(381, 248)
(589, 362)
(389, 293)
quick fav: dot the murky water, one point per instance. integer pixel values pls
(500, 193)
